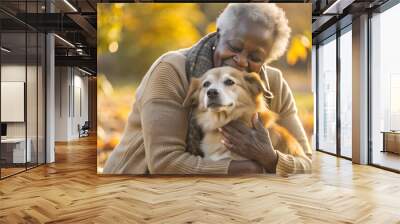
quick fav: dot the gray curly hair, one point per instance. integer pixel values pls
(269, 14)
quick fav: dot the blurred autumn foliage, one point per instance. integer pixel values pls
(132, 36)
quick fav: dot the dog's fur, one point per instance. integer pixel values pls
(238, 99)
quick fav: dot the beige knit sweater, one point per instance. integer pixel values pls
(155, 135)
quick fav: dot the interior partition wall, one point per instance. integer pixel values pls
(334, 94)
(13, 147)
(23, 92)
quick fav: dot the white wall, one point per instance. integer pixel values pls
(61, 103)
(71, 93)
(80, 83)
(12, 101)
(12, 73)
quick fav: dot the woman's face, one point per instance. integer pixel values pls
(245, 47)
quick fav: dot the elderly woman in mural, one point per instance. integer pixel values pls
(162, 137)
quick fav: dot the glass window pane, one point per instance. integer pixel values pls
(14, 150)
(385, 88)
(31, 97)
(23, 86)
(346, 94)
(32, 87)
(327, 97)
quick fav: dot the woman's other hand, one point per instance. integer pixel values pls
(252, 143)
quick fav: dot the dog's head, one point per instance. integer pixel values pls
(223, 89)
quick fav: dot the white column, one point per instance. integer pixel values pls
(50, 93)
(360, 90)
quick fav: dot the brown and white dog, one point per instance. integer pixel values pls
(224, 94)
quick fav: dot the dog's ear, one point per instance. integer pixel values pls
(256, 85)
(193, 93)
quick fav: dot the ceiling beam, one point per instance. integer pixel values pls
(77, 61)
(337, 7)
(84, 24)
(49, 22)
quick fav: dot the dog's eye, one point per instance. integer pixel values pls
(229, 82)
(206, 84)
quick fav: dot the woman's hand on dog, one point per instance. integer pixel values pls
(252, 143)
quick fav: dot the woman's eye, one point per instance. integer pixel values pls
(234, 48)
(206, 84)
(255, 59)
(229, 82)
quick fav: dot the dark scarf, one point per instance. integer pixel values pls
(199, 59)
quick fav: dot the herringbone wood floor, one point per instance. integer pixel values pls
(70, 191)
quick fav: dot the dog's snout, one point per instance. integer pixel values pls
(212, 93)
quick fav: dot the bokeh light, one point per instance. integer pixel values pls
(113, 47)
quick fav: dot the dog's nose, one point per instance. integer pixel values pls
(212, 93)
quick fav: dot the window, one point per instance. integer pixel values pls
(346, 93)
(385, 88)
(327, 96)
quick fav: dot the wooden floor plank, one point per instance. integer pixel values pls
(70, 191)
